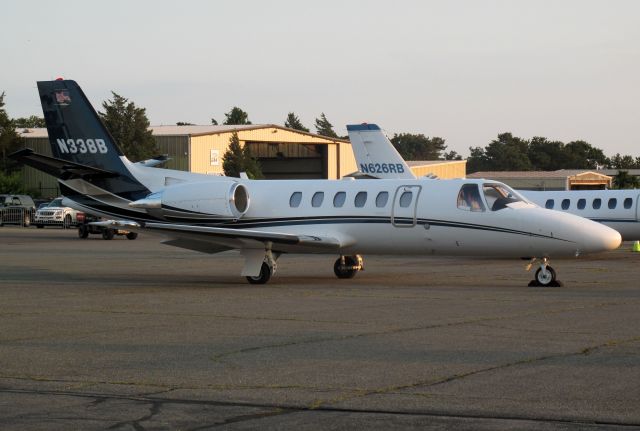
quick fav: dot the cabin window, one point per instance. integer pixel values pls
(612, 203)
(582, 203)
(549, 204)
(627, 203)
(338, 199)
(405, 199)
(597, 203)
(295, 199)
(469, 198)
(382, 199)
(360, 200)
(317, 199)
(565, 204)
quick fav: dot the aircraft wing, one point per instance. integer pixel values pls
(217, 239)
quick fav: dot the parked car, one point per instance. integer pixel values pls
(85, 228)
(56, 214)
(16, 209)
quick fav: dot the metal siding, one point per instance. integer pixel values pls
(177, 149)
(446, 170)
(347, 159)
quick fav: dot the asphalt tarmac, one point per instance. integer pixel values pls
(135, 335)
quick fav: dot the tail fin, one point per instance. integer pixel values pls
(375, 154)
(76, 133)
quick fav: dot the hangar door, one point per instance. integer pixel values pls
(286, 160)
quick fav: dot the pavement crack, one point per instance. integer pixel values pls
(220, 357)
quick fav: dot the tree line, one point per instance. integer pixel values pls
(129, 125)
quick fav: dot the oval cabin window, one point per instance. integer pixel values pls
(565, 204)
(360, 200)
(405, 199)
(317, 199)
(295, 199)
(338, 199)
(628, 202)
(612, 203)
(597, 203)
(549, 204)
(582, 203)
(381, 199)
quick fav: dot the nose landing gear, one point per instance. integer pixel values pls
(348, 266)
(545, 275)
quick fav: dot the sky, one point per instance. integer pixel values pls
(464, 70)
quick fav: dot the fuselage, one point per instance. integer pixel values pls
(368, 216)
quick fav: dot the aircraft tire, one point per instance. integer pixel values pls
(263, 277)
(132, 235)
(546, 278)
(348, 270)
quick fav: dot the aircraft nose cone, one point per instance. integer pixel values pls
(602, 238)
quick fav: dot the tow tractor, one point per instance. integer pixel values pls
(85, 228)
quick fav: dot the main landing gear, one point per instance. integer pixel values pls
(267, 269)
(545, 275)
(348, 266)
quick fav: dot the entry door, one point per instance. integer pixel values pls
(405, 202)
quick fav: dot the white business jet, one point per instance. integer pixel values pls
(265, 219)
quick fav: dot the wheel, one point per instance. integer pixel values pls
(66, 224)
(83, 232)
(349, 269)
(27, 220)
(265, 275)
(545, 276)
(108, 234)
(40, 226)
(132, 235)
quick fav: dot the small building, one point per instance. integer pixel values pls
(563, 179)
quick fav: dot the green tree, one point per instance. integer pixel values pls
(214, 122)
(625, 181)
(29, 122)
(624, 162)
(10, 141)
(324, 127)
(184, 123)
(546, 155)
(129, 126)
(293, 122)
(452, 155)
(237, 159)
(235, 117)
(581, 155)
(506, 153)
(418, 147)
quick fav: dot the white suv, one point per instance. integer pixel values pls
(54, 214)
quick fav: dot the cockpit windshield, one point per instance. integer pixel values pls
(498, 196)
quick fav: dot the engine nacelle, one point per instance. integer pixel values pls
(221, 199)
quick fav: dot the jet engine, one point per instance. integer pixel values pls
(220, 199)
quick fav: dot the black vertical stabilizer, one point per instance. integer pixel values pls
(77, 134)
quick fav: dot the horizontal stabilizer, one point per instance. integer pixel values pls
(57, 167)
